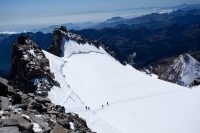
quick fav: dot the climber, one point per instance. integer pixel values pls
(86, 107)
(107, 103)
(102, 106)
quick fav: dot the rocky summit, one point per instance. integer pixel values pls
(30, 68)
(24, 106)
(61, 35)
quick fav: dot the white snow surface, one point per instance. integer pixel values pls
(190, 70)
(137, 103)
(36, 128)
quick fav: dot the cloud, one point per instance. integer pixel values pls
(8, 32)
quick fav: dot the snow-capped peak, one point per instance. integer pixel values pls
(190, 70)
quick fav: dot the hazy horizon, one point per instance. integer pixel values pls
(28, 15)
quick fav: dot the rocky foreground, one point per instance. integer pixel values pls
(23, 103)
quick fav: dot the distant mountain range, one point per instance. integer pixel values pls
(114, 19)
(74, 26)
(173, 34)
(151, 37)
(124, 21)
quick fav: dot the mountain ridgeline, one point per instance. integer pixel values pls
(154, 37)
(183, 70)
(61, 34)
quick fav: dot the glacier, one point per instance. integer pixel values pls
(138, 103)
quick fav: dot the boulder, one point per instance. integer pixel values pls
(40, 122)
(24, 124)
(59, 129)
(64, 123)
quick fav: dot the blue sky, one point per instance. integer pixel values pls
(27, 14)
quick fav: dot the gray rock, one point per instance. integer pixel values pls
(4, 103)
(31, 94)
(46, 100)
(10, 129)
(40, 122)
(59, 129)
(53, 117)
(9, 122)
(24, 124)
(52, 112)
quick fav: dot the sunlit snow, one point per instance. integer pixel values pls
(137, 103)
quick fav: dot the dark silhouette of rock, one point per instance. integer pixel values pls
(196, 82)
(3, 87)
(61, 34)
(16, 98)
(30, 68)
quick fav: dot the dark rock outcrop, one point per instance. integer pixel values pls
(3, 86)
(55, 47)
(30, 68)
(61, 33)
(196, 82)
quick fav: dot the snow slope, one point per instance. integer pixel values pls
(137, 103)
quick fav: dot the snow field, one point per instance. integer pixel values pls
(137, 102)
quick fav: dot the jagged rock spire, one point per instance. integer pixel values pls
(30, 68)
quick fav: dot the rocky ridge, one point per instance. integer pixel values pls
(61, 34)
(182, 70)
(30, 68)
(23, 103)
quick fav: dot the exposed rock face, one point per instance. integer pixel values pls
(129, 60)
(30, 68)
(196, 82)
(55, 47)
(183, 70)
(61, 34)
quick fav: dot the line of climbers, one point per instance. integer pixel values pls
(88, 108)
